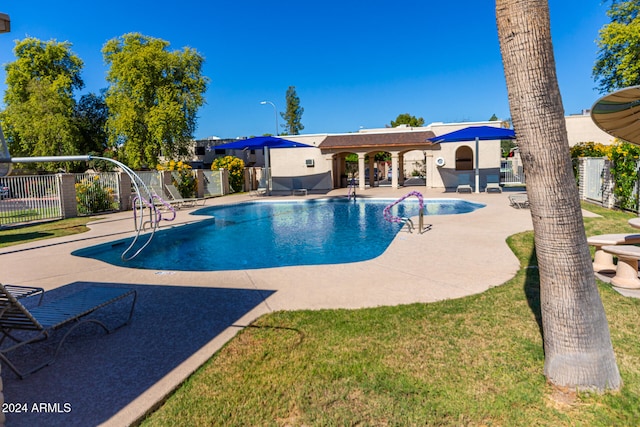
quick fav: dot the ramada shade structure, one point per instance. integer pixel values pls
(261, 143)
(477, 134)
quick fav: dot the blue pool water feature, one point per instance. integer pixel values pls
(268, 234)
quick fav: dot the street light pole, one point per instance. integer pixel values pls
(275, 110)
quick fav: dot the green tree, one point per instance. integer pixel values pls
(153, 98)
(617, 65)
(293, 116)
(407, 119)
(39, 116)
(91, 114)
(577, 343)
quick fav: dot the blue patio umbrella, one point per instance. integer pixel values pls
(261, 143)
(477, 134)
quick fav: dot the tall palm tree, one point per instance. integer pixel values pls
(577, 344)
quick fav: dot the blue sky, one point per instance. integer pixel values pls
(355, 64)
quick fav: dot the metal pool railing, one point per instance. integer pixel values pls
(352, 190)
(29, 198)
(386, 213)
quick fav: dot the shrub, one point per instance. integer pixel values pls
(624, 169)
(185, 183)
(590, 149)
(235, 166)
(93, 197)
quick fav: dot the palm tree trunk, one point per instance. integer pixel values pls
(577, 344)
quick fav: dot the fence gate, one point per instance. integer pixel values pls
(29, 198)
(593, 179)
(213, 185)
(511, 171)
(97, 192)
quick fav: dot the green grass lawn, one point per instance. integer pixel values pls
(46, 230)
(474, 361)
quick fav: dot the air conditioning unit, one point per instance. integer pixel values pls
(310, 163)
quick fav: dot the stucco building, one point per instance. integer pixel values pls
(336, 160)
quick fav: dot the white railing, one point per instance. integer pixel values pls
(29, 198)
(511, 172)
(386, 213)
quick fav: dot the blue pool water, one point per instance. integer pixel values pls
(276, 234)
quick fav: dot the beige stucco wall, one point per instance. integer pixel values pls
(447, 176)
(581, 128)
(292, 161)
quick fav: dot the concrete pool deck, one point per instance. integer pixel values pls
(183, 318)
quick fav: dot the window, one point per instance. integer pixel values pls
(464, 159)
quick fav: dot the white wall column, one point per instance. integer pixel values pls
(428, 160)
(394, 170)
(372, 174)
(361, 180)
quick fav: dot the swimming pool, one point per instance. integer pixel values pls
(276, 234)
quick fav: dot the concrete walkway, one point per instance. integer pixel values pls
(182, 318)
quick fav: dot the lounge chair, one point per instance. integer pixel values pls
(464, 184)
(493, 184)
(261, 190)
(519, 201)
(177, 198)
(28, 325)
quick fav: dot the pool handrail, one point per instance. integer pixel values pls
(386, 213)
(150, 205)
(352, 186)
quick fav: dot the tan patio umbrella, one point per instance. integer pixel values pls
(618, 114)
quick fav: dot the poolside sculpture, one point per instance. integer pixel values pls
(386, 213)
(142, 201)
(139, 202)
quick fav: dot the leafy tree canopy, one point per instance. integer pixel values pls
(39, 114)
(407, 119)
(293, 116)
(91, 115)
(617, 65)
(153, 98)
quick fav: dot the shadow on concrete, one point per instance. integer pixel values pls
(96, 375)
